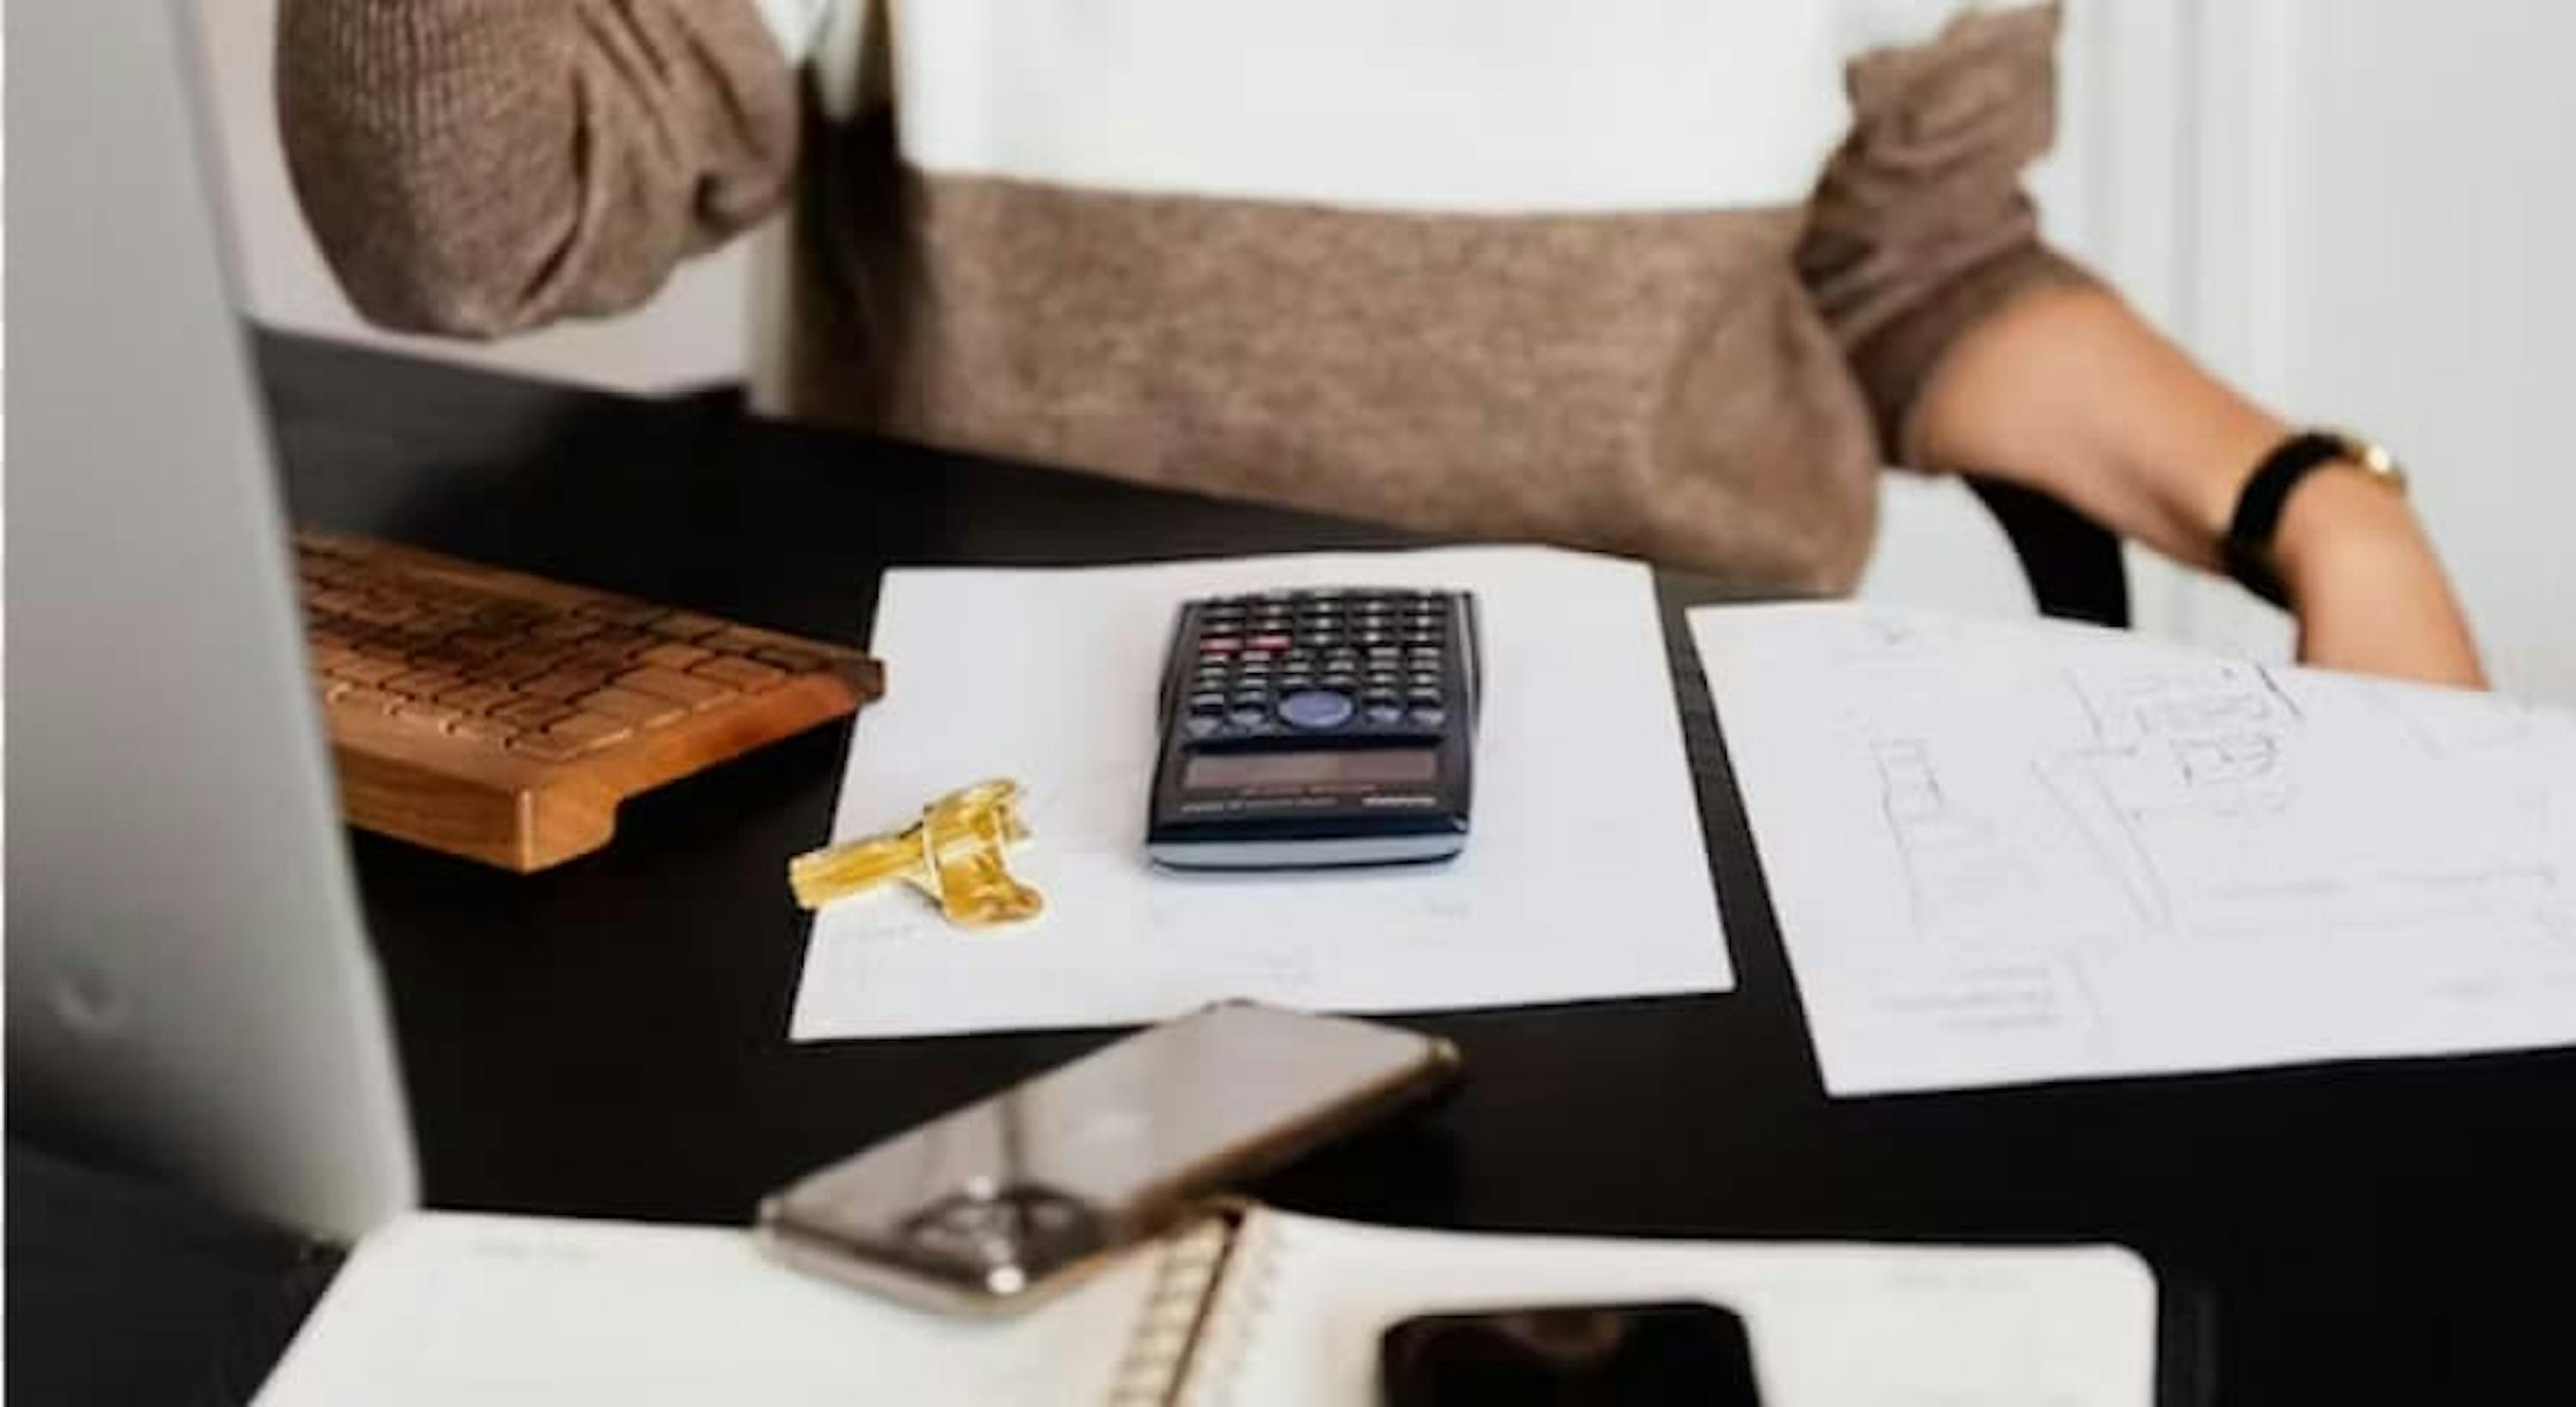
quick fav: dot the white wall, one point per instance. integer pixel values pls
(2428, 281)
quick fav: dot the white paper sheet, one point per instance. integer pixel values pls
(2004, 852)
(438, 1309)
(1584, 875)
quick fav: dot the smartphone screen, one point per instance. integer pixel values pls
(1570, 1356)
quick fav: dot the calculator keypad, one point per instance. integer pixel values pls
(1321, 662)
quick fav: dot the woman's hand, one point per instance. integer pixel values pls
(2362, 578)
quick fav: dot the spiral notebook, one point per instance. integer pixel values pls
(1248, 1308)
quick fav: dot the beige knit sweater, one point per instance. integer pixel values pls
(1588, 273)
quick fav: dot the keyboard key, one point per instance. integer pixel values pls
(628, 706)
(794, 661)
(564, 628)
(589, 730)
(422, 683)
(429, 715)
(372, 669)
(685, 625)
(619, 611)
(440, 655)
(517, 666)
(531, 713)
(741, 673)
(480, 645)
(545, 747)
(565, 685)
(677, 687)
(360, 698)
(476, 698)
(672, 655)
(482, 730)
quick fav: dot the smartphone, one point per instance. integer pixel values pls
(1570, 1356)
(1002, 1203)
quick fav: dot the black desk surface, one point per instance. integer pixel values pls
(610, 1038)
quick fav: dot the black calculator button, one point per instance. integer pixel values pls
(1315, 708)
(1423, 697)
(1199, 725)
(1248, 716)
(1206, 703)
(1429, 715)
(1344, 682)
(1269, 640)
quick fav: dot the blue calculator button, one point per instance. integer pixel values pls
(1315, 708)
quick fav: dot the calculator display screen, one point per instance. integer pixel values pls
(1223, 771)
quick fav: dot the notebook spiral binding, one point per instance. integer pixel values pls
(1208, 1291)
(1238, 1304)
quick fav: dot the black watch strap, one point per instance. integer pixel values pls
(2247, 548)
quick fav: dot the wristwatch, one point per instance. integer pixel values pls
(2247, 547)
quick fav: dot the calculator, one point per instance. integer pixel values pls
(1313, 728)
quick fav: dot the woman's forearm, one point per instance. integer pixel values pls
(2070, 392)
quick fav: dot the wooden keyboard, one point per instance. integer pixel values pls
(503, 717)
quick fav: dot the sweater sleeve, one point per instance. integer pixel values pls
(478, 167)
(1920, 229)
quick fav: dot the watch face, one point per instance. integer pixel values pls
(2370, 455)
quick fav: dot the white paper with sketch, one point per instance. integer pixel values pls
(1584, 874)
(2004, 852)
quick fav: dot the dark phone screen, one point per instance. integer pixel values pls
(1576, 1356)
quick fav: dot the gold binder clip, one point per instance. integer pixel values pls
(954, 855)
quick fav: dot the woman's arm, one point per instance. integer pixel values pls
(477, 167)
(2068, 391)
(1979, 349)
